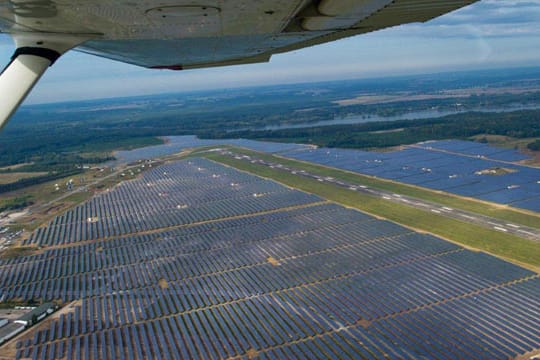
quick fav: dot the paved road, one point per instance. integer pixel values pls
(470, 217)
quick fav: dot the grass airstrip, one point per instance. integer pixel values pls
(522, 251)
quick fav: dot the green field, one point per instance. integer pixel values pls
(79, 197)
(522, 251)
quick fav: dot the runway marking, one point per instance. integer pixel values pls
(500, 228)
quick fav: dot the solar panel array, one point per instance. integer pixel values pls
(178, 194)
(475, 149)
(449, 165)
(298, 279)
(458, 167)
(176, 144)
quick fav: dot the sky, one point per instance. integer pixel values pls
(487, 34)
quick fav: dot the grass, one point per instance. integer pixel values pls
(15, 203)
(45, 192)
(10, 177)
(504, 141)
(79, 197)
(16, 227)
(14, 167)
(512, 143)
(497, 211)
(522, 251)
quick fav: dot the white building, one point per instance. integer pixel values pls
(37, 314)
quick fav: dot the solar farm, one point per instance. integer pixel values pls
(459, 167)
(198, 260)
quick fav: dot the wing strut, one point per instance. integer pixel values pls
(18, 78)
(34, 54)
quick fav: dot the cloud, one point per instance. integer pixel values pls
(488, 18)
(494, 12)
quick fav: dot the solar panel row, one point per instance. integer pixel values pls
(475, 149)
(449, 165)
(169, 201)
(314, 280)
(460, 169)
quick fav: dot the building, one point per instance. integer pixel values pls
(9, 331)
(37, 314)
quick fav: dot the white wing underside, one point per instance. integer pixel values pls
(192, 34)
(185, 34)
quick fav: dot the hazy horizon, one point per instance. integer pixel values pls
(262, 86)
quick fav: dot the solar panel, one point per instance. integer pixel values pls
(291, 277)
(459, 167)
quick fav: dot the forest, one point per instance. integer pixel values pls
(15, 203)
(534, 146)
(519, 124)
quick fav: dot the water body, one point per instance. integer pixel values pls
(175, 144)
(413, 115)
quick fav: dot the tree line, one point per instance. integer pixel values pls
(519, 124)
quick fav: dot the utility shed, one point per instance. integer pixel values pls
(9, 331)
(37, 314)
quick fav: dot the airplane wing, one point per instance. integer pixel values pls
(186, 34)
